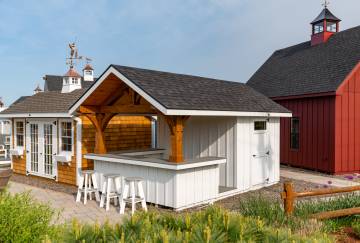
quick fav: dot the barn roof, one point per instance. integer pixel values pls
(304, 69)
(172, 91)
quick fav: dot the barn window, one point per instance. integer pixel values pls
(295, 135)
(260, 125)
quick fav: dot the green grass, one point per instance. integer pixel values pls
(356, 227)
(211, 225)
(273, 214)
(22, 219)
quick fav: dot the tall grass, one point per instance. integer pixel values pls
(211, 225)
(273, 214)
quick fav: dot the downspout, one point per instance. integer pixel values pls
(78, 148)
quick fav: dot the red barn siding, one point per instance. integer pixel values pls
(347, 121)
(317, 133)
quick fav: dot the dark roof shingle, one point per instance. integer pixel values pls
(305, 69)
(55, 82)
(185, 92)
(45, 102)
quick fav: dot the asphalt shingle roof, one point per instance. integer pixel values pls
(185, 92)
(55, 82)
(305, 69)
(45, 102)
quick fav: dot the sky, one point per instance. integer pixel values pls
(225, 39)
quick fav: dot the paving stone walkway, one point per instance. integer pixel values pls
(89, 213)
(322, 179)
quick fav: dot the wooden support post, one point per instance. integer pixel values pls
(100, 122)
(176, 126)
(288, 197)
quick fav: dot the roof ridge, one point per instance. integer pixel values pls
(182, 74)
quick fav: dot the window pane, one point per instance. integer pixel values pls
(66, 136)
(260, 125)
(19, 133)
(295, 133)
(331, 27)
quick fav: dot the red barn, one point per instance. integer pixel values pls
(319, 81)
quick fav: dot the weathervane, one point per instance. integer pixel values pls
(326, 3)
(74, 56)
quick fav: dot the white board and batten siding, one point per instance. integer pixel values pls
(231, 138)
(177, 189)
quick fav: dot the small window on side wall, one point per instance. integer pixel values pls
(260, 125)
(19, 129)
(66, 136)
(295, 133)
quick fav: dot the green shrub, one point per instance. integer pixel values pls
(211, 225)
(24, 220)
(356, 227)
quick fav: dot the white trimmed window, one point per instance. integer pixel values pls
(20, 133)
(66, 136)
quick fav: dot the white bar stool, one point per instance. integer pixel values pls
(133, 198)
(111, 181)
(87, 185)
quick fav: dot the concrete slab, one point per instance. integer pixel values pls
(316, 179)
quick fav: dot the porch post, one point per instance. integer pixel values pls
(176, 126)
(100, 122)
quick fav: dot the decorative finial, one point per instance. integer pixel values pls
(326, 3)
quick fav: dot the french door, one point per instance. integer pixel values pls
(41, 144)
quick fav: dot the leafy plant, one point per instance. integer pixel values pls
(211, 225)
(24, 220)
(356, 227)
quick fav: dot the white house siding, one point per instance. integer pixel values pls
(204, 137)
(244, 154)
(228, 137)
(172, 188)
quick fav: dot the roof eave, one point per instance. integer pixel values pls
(35, 115)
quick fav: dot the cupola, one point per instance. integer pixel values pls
(71, 81)
(88, 72)
(37, 90)
(324, 26)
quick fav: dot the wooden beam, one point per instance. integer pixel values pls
(87, 109)
(97, 121)
(176, 125)
(336, 213)
(117, 109)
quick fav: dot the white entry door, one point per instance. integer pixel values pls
(260, 149)
(41, 144)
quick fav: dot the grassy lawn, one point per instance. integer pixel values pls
(272, 214)
(258, 220)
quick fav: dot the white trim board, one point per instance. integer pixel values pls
(163, 109)
(36, 115)
(143, 163)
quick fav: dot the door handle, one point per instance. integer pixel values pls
(254, 155)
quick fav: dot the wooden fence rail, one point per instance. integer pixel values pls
(289, 196)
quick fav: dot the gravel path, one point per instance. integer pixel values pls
(272, 193)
